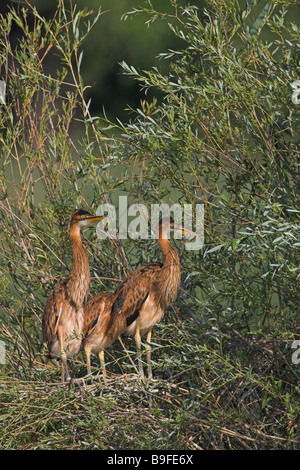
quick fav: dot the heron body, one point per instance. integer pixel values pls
(136, 305)
(62, 323)
(101, 326)
(145, 294)
(107, 316)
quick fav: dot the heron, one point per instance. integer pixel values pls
(63, 314)
(100, 327)
(137, 304)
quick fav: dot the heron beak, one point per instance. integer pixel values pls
(94, 218)
(185, 231)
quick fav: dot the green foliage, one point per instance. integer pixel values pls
(226, 135)
(220, 129)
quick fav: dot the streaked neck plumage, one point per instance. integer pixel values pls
(79, 277)
(169, 278)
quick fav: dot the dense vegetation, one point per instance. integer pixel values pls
(218, 127)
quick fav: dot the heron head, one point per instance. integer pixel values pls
(82, 218)
(167, 225)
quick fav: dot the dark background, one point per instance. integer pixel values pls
(112, 41)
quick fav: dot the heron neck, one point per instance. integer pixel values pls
(169, 277)
(80, 272)
(169, 253)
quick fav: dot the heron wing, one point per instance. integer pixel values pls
(95, 309)
(134, 290)
(52, 312)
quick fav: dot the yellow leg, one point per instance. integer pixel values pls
(137, 338)
(148, 353)
(102, 362)
(88, 359)
(65, 376)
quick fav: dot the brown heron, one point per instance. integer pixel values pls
(101, 326)
(63, 315)
(137, 304)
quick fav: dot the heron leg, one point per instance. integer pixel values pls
(87, 351)
(65, 375)
(137, 338)
(148, 353)
(102, 362)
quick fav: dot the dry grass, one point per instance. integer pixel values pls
(203, 400)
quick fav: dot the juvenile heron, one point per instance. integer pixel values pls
(63, 315)
(137, 304)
